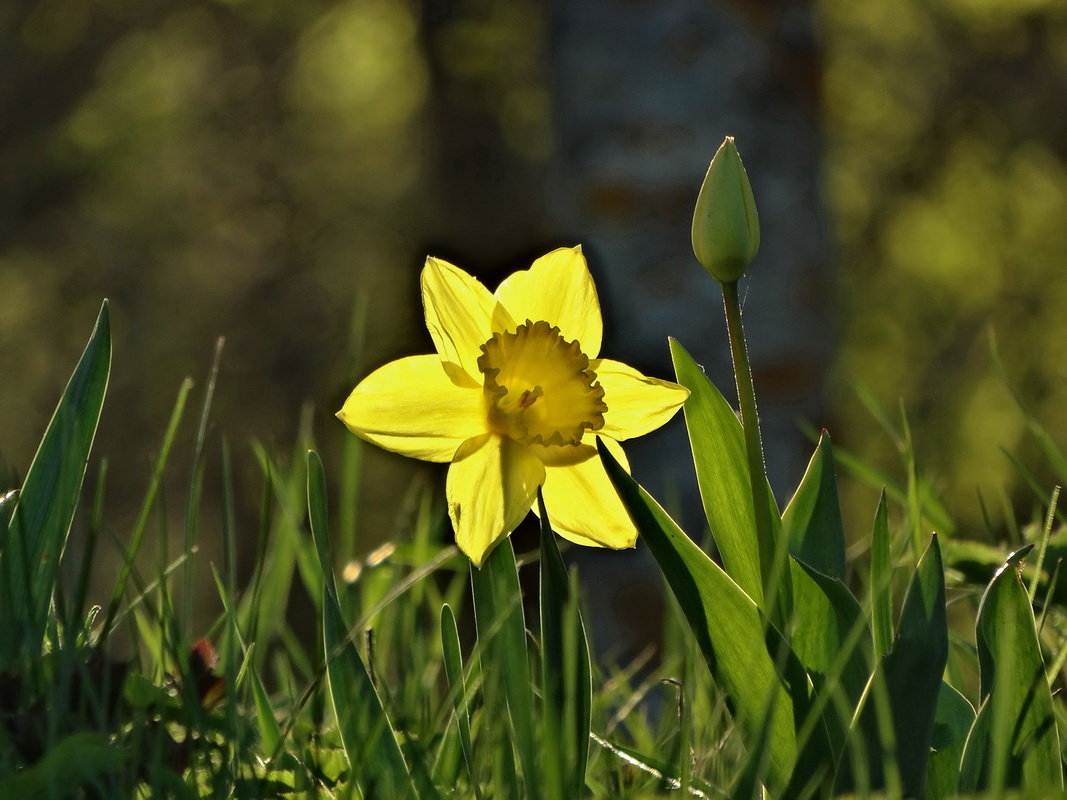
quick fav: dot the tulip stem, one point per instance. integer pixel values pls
(757, 469)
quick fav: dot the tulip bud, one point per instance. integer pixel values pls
(725, 223)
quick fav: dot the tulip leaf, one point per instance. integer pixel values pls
(1014, 741)
(505, 662)
(565, 672)
(812, 520)
(830, 636)
(881, 581)
(828, 630)
(718, 445)
(34, 543)
(895, 726)
(369, 741)
(729, 628)
(952, 722)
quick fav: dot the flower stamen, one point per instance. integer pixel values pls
(539, 388)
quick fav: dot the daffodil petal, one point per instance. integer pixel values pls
(461, 315)
(636, 403)
(557, 289)
(411, 407)
(491, 486)
(584, 507)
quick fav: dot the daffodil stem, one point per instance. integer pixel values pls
(757, 469)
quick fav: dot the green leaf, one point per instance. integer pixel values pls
(881, 581)
(718, 445)
(1014, 742)
(453, 660)
(373, 752)
(668, 774)
(45, 508)
(565, 672)
(270, 734)
(812, 520)
(143, 515)
(75, 763)
(952, 721)
(502, 631)
(728, 627)
(895, 727)
(831, 638)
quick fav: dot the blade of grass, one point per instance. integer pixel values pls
(565, 672)
(498, 602)
(453, 662)
(196, 483)
(892, 734)
(368, 738)
(45, 508)
(269, 730)
(149, 502)
(1046, 532)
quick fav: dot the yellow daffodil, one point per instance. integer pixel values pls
(514, 398)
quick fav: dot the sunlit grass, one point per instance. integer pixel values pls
(412, 675)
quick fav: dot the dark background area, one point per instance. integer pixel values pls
(270, 171)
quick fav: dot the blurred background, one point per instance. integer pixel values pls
(275, 171)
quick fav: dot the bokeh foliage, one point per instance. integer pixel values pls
(258, 168)
(946, 149)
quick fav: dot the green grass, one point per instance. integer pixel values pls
(426, 679)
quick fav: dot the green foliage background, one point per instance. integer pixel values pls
(945, 169)
(256, 169)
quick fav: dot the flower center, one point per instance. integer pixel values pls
(539, 388)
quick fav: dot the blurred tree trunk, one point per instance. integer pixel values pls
(485, 200)
(644, 94)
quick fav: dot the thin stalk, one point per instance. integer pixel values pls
(757, 469)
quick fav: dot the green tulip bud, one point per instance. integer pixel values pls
(725, 223)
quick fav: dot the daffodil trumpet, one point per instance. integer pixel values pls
(514, 399)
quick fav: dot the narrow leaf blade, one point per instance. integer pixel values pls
(566, 674)
(1014, 742)
(727, 625)
(895, 726)
(49, 496)
(812, 520)
(718, 445)
(366, 733)
(502, 629)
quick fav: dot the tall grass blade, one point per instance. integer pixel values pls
(565, 673)
(1014, 742)
(141, 524)
(453, 662)
(196, 482)
(373, 752)
(502, 631)
(44, 511)
(728, 627)
(270, 734)
(891, 743)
